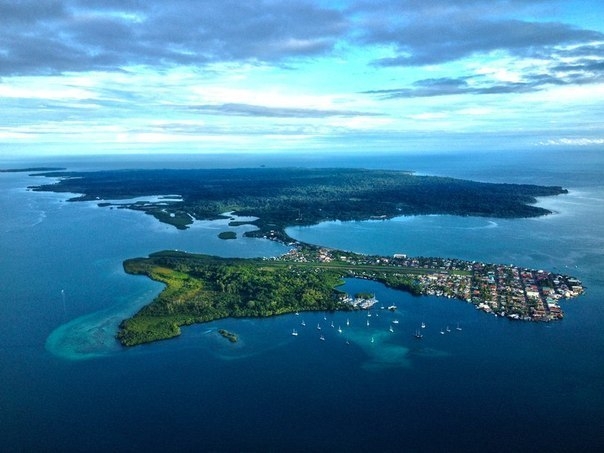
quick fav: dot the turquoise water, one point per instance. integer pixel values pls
(495, 385)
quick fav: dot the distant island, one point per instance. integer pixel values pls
(203, 288)
(282, 197)
(30, 169)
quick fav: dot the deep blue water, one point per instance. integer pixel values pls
(495, 385)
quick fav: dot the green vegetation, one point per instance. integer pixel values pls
(201, 288)
(282, 197)
(227, 235)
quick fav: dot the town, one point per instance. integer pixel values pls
(503, 290)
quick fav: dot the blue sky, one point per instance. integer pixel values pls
(122, 76)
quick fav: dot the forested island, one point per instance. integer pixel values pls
(202, 288)
(282, 197)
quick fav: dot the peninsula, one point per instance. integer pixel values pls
(202, 288)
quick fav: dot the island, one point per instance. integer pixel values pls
(228, 335)
(202, 288)
(282, 197)
(227, 235)
(30, 169)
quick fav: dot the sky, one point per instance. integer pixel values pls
(185, 76)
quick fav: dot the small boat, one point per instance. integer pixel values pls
(322, 338)
(297, 314)
(347, 322)
(347, 342)
(442, 332)
(339, 329)
(331, 323)
(324, 318)
(367, 323)
(392, 307)
(423, 325)
(303, 323)
(391, 329)
(447, 329)
(369, 314)
(418, 335)
(372, 340)
(458, 328)
(395, 321)
(294, 333)
(318, 326)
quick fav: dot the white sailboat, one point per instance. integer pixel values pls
(391, 329)
(458, 328)
(303, 323)
(347, 322)
(339, 329)
(294, 333)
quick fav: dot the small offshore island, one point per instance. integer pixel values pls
(201, 288)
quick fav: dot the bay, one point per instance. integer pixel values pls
(495, 385)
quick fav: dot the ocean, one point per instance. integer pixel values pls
(493, 385)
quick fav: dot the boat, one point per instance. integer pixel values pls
(318, 326)
(369, 314)
(322, 338)
(392, 307)
(367, 323)
(339, 329)
(391, 329)
(347, 322)
(297, 314)
(303, 323)
(458, 328)
(447, 329)
(395, 321)
(347, 342)
(442, 332)
(372, 340)
(294, 332)
(423, 325)
(332, 324)
(418, 335)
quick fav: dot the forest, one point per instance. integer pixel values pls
(201, 288)
(282, 197)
